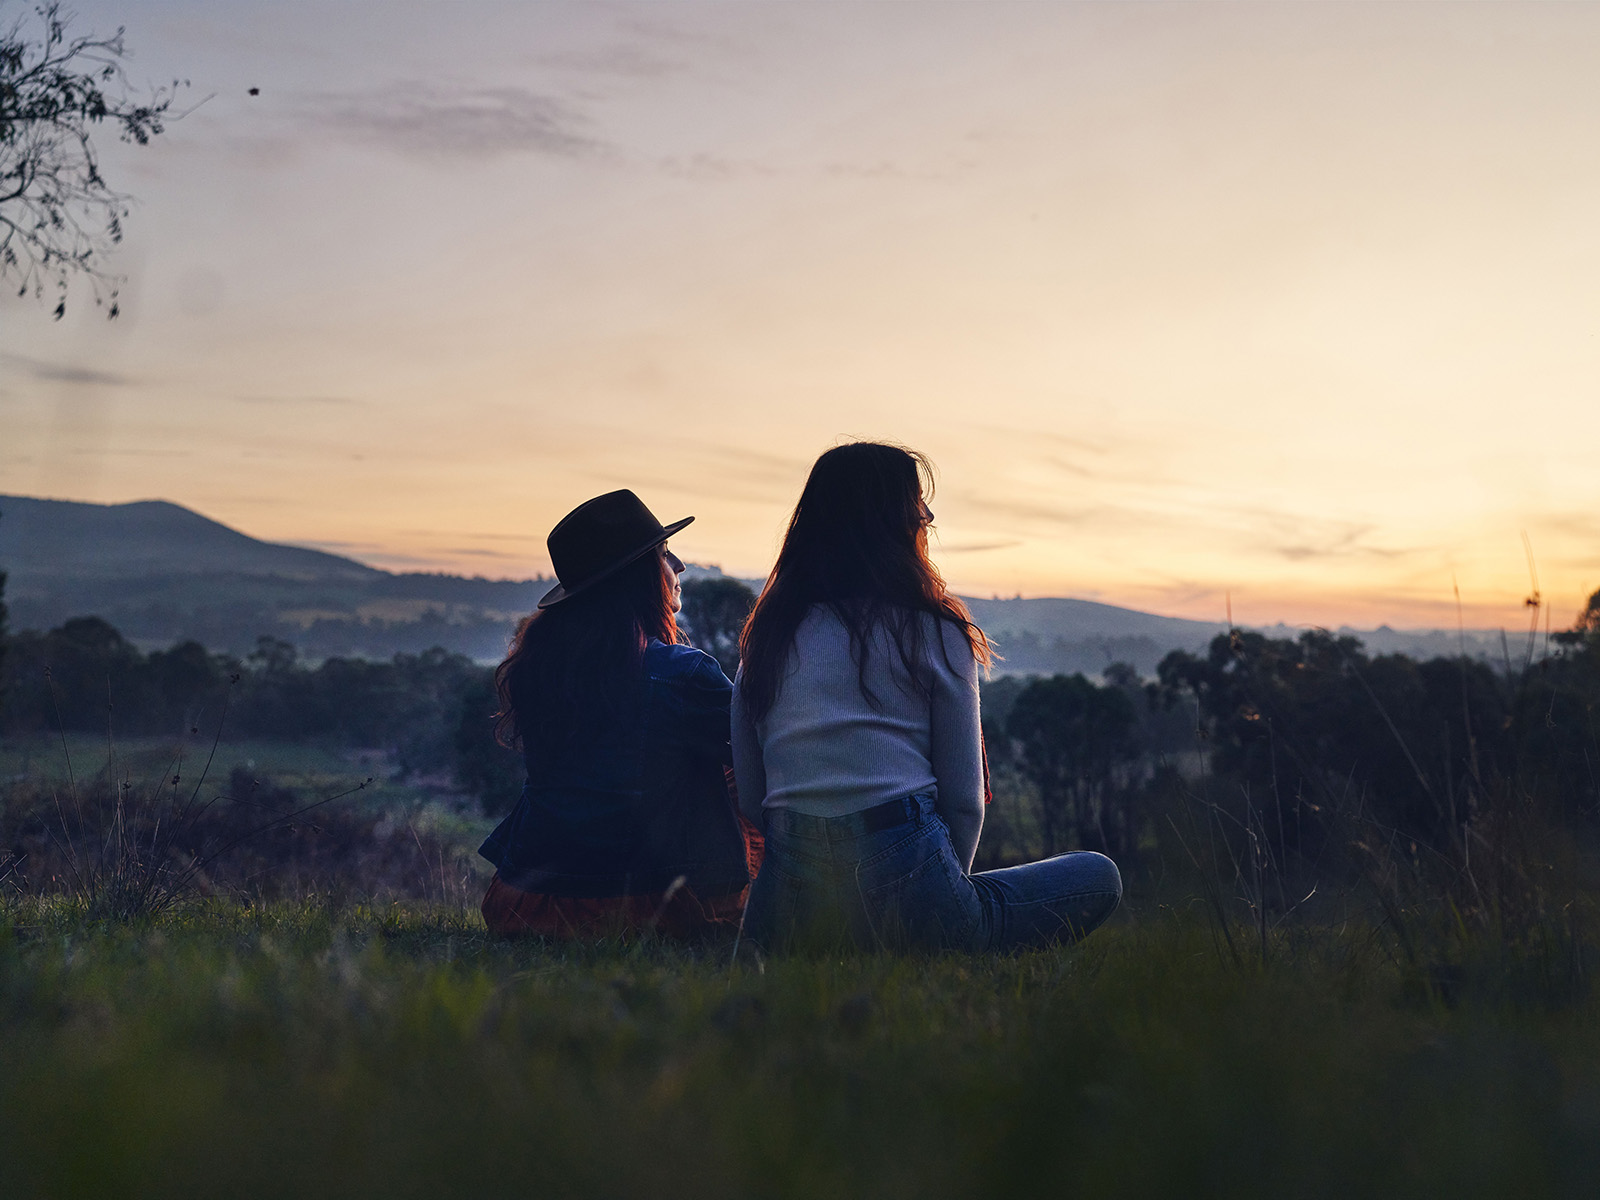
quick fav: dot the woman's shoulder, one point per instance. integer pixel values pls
(948, 645)
(683, 664)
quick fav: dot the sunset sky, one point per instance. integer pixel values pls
(1293, 304)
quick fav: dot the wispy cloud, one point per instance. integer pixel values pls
(460, 533)
(1071, 468)
(700, 42)
(712, 167)
(1330, 543)
(422, 119)
(1300, 538)
(1017, 435)
(885, 170)
(1036, 512)
(483, 552)
(1256, 532)
(621, 60)
(297, 400)
(708, 469)
(695, 487)
(752, 464)
(976, 547)
(66, 373)
(1581, 525)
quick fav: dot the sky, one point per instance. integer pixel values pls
(1283, 310)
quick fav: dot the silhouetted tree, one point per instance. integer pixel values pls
(272, 701)
(1162, 730)
(81, 676)
(182, 682)
(714, 613)
(1071, 739)
(58, 216)
(1584, 636)
(1557, 716)
(1314, 721)
(481, 765)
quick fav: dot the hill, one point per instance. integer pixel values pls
(66, 539)
(161, 573)
(1050, 635)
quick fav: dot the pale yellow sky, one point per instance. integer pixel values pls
(1293, 304)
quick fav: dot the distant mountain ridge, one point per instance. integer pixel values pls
(162, 573)
(1051, 617)
(73, 539)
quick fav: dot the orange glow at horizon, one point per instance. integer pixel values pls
(1285, 306)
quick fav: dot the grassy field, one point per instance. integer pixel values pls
(317, 1050)
(383, 836)
(1376, 1041)
(145, 761)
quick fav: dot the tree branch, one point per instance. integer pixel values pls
(59, 215)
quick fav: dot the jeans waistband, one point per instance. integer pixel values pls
(857, 824)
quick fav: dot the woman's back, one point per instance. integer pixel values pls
(628, 806)
(842, 736)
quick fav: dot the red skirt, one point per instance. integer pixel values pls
(675, 913)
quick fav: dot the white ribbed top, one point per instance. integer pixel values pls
(824, 750)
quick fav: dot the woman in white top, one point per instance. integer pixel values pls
(857, 742)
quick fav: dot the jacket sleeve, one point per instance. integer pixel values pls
(705, 695)
(955, 741)
(749, 772)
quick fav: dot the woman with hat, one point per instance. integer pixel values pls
(626, 820)
(857, 740)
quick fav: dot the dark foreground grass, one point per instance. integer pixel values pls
(305, 1051)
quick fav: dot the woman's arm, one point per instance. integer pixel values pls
(704, 696)
(748, 770)
(955, 741)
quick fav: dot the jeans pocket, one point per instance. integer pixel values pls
(928, 904)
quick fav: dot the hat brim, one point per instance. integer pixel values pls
(561, 592)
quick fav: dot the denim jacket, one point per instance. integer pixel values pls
(633, 806)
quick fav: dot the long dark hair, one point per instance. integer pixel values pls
(858, 542)
(575, 663)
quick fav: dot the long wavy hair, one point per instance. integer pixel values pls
(858, 543)
(579, 662)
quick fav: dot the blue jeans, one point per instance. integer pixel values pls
(826, 880)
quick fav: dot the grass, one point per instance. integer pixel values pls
(41, 758)
(134, 826)
(311, 1049)
(312, 771)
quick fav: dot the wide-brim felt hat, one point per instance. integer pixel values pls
(598, 538)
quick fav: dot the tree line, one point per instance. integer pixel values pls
(1269, 735)
(432, 710)
(1287, 746)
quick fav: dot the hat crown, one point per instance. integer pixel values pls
(601, 535)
